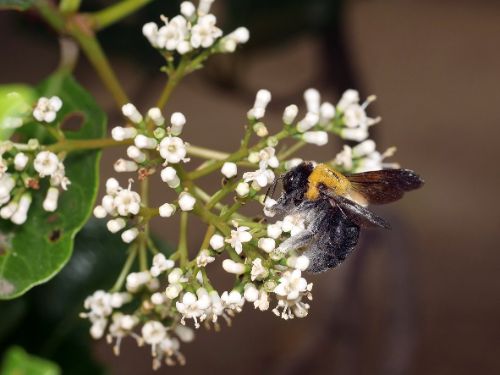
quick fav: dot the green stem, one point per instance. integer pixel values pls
(183, 249)
(115, 13)
(173, 81)
(206, 153)
(126, 269)
(69, 6)
(292, 150)
(86, 144)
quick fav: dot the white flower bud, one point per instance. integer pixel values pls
(130, 111)
(173, 290)
(308, 122)
(327, 113)
(319, 138)
(262, 98)
(20, 161)
(150, 31)
(187, 9)
(142, 141)
(354, 134)
(97, 329)
(136, 154)
(112, 186)
(312, 99)
(186, 334)
(167, 210)
(178, 120)
(204, 7)
(129, 235)
(100, 212)
(364, 148)
(50, 201)
(232, 267)
(7, 211)
(300, 263)
(229, 169)
(155, 115)
(251, 293)
(274, 231)
(217, 242)
(157, 298)
(242, 189)
(108, 203)
(175, 276)
(119, 133)
(21, 214)
(241, 35)
(123, 165)
(292, 163)
(254, 157)
(267, 244)
(290, 113)
(186, 201)
(169, 175)
(116, 225)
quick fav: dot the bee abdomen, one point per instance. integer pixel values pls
(337, 238)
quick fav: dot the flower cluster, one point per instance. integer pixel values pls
(23, 167)
(193, 29)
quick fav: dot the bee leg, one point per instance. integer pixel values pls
(297, 241)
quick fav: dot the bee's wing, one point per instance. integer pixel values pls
(356, 213)
(386, 185)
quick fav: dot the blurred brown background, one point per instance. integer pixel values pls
(421, 299)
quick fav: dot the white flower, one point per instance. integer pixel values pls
(186, 201)
(153, 332)
(172, 36)
(292, 163)
(242, 189)
(301, 262)
(231, 266)
(189, 307)
(8, 210)
(100, 212)
(136, 280)
(130, 111)
(141, 141)
(116, 225)
(229, 169)
(46, 109)
(136, 154)
(293, 224)
(251, 293)
(46, 163)
(262, 99)
(364, 148)
(310, 120)
(178, 120)
(290, 113)
(129, 235)
(155, 115)
(274, 230)
(166, 210)
(267, 244)
(21, 215)
(122, 165)
(259, 178)
(204, 258)
(327, 113)
(50, 201)
(59, 177)
(112, 186)
(239, 236)
(99, 304)
(233, 301)
(319, 138)
(348, 97)
(173, 150)
(150, 31)
(267, 158)
(312, 99)
(20, 161)
(258, 272)
(119, 133)
(175, 276)
(262, 303)
(7, 183)
(291, 285)
(231, 41)
(205, 32)
(217, 242)
(160, 264)
(173, 290)
(127, 202)
(344, 158)
(188, 9)
(169, 175)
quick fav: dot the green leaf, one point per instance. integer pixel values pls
(18, 362)
(34, 252)
(15, 101)
(16, 4)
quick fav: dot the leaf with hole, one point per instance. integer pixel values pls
(34, 252)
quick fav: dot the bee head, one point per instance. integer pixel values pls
(295, 180)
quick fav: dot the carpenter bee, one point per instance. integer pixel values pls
(328, 202)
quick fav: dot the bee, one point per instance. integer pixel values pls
(325, 199)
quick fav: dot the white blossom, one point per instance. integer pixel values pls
(166, 210)
(177, 120)
(290, 113)
(127, 202)
(293, 224)
(267, 244)
(20, 161)
(153, 332)
(141, 141)
(233, 300)
(129, 235)
(173, 150)
(50, 201)
(242, 189)
(134, 153)
(229, 169)
(136, 280)
(267, 158)
(258, 271)
(259, 178)
(119, 133)
(239, 236)
(186, 201)
(169, 175)
(156, 116)
(231, 266)
(262, 99)
(217, 242)
(116, 225)
(204, 258)
(123, 165)
(205, 32)
(251, 293)
(319, 138)
(274, 230)
(46, 109)
(21, 215)
(188, 9)
(46, 163)
(130, 111)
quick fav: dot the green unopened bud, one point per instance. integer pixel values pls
(260, 129)
(159, 133)
(272, 142)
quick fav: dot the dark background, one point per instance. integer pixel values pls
(421, 299)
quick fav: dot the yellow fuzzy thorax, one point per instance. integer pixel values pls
(329, 177)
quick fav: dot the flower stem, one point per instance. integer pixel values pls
(285, 154)
(86, 144)
(183, 250)
(126, 269)
(115, 13)
(173, 81)
(206, 153)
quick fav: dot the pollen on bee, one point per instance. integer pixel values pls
(327, 176)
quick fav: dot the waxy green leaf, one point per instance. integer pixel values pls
(34, 252)
(16, 4)
(18, 362)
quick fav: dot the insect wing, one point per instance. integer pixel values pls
(358, 214)
(386, 185)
